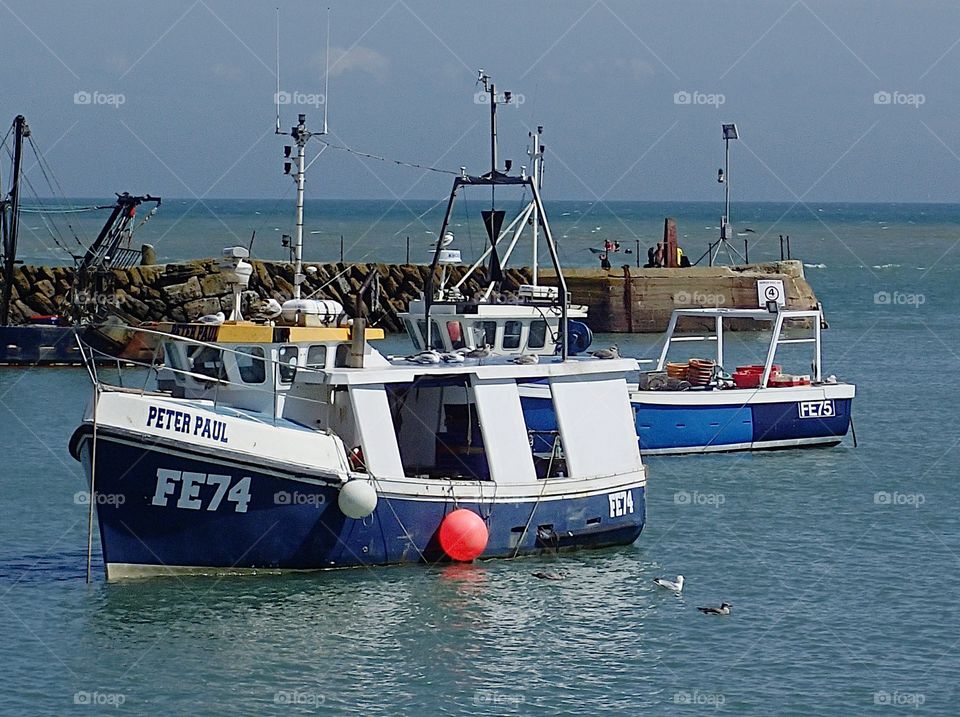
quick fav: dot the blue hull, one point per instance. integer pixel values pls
(280, 522)
(683, 429)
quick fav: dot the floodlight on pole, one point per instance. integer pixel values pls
(723, 177)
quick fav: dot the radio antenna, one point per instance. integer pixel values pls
(276, 97)
(326, 78)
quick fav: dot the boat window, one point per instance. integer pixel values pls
(207, 361)
(287, 363)
(171, 356)
(455, 330)
(537, 338)
(414, 335)
(511, 334)
(317, 356)
(436, 338)
(253, 368)
(489, 332)
(342, 356)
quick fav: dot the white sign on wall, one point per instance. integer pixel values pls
(770, 290)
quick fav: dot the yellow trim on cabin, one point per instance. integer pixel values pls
(238, 332)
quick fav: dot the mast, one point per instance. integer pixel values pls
(301, 135)
(536, 163)
(21, 130)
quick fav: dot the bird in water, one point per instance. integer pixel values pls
(526, 359)
(543, 575)
(672, 585)
(610, 353)
(724, 609)
(425, 357)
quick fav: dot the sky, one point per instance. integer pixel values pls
(834, 101)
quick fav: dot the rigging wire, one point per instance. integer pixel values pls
(47, 172)
(399, 162)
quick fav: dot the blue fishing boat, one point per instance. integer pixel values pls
(695, 406)
(292, 444)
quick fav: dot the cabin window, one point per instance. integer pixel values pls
(250, 362)
(287, 363)
(537, 338)
(317, 357)
(487, 332)
(436, 338)
(342, 357)
(207, 361)
(414, 335)
(511, 334)
(455, 331)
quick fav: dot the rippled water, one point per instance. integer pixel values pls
(842, 565)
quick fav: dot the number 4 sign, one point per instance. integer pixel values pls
(770, 290)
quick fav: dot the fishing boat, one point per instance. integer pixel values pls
(294, 444)
(526, 321)
(694, 406)
(49, 339)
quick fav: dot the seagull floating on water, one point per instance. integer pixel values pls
(549, 576)
(425, 357)
(611, 353)
(724, 609)
(672, 585)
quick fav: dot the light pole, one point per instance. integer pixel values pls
(723, 177)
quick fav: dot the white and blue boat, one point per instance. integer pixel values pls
(293, 444)
(756, 408)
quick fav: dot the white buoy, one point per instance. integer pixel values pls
(357, 499)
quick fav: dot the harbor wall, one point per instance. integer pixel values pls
(626, 299)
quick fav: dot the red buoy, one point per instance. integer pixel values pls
(463, 535)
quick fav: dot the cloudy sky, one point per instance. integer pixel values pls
(851, 101)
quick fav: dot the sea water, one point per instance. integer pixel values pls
(843, 564)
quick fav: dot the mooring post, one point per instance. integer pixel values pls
(408, 251)
(638, 253)
(341, 248)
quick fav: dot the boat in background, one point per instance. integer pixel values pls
(693, 406)
(526, 322)
(50, 339)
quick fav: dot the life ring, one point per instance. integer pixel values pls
(355, 458)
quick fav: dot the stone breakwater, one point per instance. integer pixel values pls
(619, 300)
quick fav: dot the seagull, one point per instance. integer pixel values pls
(611, 353)
(271, 309)
(724, 609)
(425, 357)
(526, 359)
(481, 352)
(217, 318)
(452, 357)
(549, 576)
(673, 585)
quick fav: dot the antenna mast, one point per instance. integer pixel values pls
(276, 97)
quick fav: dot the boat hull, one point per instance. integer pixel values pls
(718, 421)
(270, 520)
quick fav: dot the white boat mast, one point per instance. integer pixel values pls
(536, 164)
